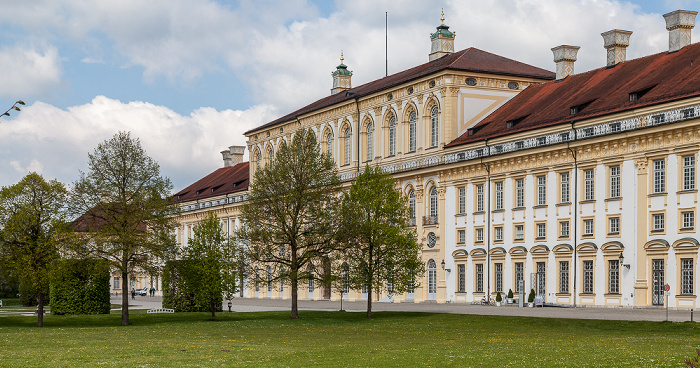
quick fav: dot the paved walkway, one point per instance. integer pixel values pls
(259, 305)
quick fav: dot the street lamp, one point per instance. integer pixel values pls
(622, 260)
(14, 107)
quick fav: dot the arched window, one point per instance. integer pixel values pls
(258, 160)
(412, 132)
(434, 127)
(370, 140)
(392, 136)
(433, 202)
(270, 155)
(348, 145)
(412, 204)
(432, 280)
(329, 144)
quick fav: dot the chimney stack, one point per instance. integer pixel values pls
(233, 155)
(616, 42)
(564, 57)
(679, 23)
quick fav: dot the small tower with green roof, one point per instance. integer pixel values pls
(442, 42)
(341, 77)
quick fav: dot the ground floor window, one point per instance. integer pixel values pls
(519, 272)
(498, 270)
(541, 278)
(480, 278)
(614, 276)
(564, 277)
(461, 282)
(588, 277)
(116, 283)
(687, 276)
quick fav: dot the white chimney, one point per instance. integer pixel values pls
(564, 57)
(233, 155)
(679, 23)
(616, 42)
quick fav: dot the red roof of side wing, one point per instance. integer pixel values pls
(222, 181)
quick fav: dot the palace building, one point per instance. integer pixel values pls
(582, 187)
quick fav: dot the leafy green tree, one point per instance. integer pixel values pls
(123, 210)
(213, 258)
(290, 218)
(382, 251)
(31, 215)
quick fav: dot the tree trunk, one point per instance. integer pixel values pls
(369, 302)
(295, 311)
(125, 299)
(40, 309)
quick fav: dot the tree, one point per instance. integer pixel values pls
(31, 215)
(291, 218)
(124, 214)
(382, 251)
(213, 258)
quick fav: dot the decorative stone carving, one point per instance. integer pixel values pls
(641, 166)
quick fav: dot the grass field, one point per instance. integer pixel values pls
(340, 339)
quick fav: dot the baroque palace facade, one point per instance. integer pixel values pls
(582, 187)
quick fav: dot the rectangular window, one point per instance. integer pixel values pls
(688, 172)
(588, 277)
(659, 222)
(541, 190)
(541, 278)
(564, 179)
(499, 195)
(564, 229)
(116, 283)
(461, 278)
(499, 277)
(519, 232)
(479, 235)
(614, 225)
(659, 176)
(498, 230)
(519, 272)
(688, 220)
(614, 181)
(687, 276)
(520, 193)
(479, 278)
(564, 277)
(588, 185)
(480, 198)
(461, 236)
(614, 276)
(541, 231)
(462, 200)
(588, 227)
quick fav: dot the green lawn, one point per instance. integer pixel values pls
(338, 339)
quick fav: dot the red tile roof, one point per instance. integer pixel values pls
(658, 78)
(222, 181)
(470, 60)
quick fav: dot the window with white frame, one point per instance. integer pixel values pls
(412, 204)
(659, 222)
(614, 276)
(688, 220)
(348, 146)
(541, 190)
(480, 198)
(117, 285)
(564, 277)
(687, 276)
(519, 232)
(392, 136)
(479, 278)
(461, 236)
(588, 185)
(479, 235)
(614, 225)
(498, 230)
(541, 230)
(519, 192)
(498, 270)
(461, 278)
(564, 181)
(519, 273)
(659, 176)
(370, 141)
(588, 277)
(688, 172)
(499, 195)
(461, 207)
(434, 127)
(311, 281)
(433, 202)
(564, 229)
(412, 132)
(614, 181)
(588, 227)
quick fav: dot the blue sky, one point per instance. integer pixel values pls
(188, 77)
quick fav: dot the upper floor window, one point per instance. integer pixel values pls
(688, 218)
(392, 136)
(258, 160)
(589, 185)
(370, 141)
(659, 176)
(329, 144)
(434, 127)
(688, 172)
(564, 180)
(588, 227)
(519, 232)
(519, 193)
(433, 202)
(462, 200)
(659, 223)
(348, 146)
(541, 190)
(480, 198)
(412, 132)
(412, 204)
(499, 195)
(614, 181)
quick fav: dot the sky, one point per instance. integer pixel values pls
(188, 77)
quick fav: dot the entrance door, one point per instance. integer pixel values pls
(432, 280)
(657, 289)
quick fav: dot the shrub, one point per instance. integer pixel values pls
(510, 293)
(80, 286)
(180, 283)
(498, 297)
(531, 297)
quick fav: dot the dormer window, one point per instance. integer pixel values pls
(634, 96)
(514, 122)
(578, 108)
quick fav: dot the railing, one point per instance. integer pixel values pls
(430, 220)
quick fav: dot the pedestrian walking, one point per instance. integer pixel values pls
(133, 293)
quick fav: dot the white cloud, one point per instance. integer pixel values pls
(56, 142)
(29, 71)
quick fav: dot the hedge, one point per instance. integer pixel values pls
(180, 283)
(80, 286)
